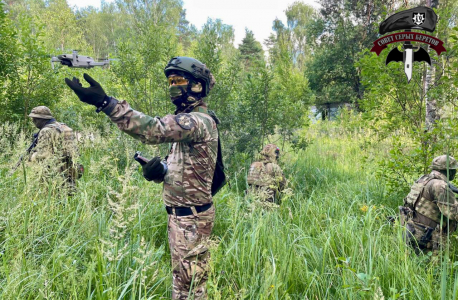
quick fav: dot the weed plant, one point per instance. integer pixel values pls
(329, 239)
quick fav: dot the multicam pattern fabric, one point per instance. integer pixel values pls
(53, 139)
(188, 238)
(431, 200)
(191, 165)
(41, 112)
(192, 158)
(443, 162)
(57, 150)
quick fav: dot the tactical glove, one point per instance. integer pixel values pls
(154, 169)
(94, 95)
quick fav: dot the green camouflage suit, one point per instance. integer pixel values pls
(265, 177)
(430, 212)
(56, 147)
(191, 165)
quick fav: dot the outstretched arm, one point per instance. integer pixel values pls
(151, 130)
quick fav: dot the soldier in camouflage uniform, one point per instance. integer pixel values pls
(265, 178)
(430, 210)
(187, 173)
(56, 146)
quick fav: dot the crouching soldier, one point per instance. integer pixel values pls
(55, 147)
(265, 177)
(430, 210)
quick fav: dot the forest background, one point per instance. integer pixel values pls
(319, 57)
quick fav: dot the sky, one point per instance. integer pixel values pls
(256, 15)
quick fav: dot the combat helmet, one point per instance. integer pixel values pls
(440, 163)
(41, 112)
(193, 67)
(271, 151)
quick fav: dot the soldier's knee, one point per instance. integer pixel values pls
(194, 268)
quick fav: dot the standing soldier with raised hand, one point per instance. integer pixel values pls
(189, 171)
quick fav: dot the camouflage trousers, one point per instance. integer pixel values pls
(417, 236)
(188, 237)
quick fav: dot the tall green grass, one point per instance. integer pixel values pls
(329, 239)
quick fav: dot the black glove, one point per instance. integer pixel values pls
(154, 169)
(94, 95)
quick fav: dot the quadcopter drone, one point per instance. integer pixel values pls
(78, 61)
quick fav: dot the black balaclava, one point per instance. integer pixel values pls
(186, 97)
(40, 123)
(451, 173)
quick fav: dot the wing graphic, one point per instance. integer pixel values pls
(395, 55)
(421, 55)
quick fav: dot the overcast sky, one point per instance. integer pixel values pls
(256, 15)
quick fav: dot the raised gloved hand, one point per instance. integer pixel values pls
(94, 95)
(154, 169)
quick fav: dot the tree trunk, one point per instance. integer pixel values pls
(431, 104)
(428, 82)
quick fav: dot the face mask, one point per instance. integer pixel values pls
(176, 90)
(39, 123)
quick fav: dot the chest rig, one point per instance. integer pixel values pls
(425, 210)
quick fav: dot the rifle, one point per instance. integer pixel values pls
(27, 152)
(453, 188)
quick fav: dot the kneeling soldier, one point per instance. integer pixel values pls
(430, 210)
(265, 177)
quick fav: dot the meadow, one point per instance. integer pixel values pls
(329, 238)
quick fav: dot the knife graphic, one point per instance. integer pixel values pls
(408, 56)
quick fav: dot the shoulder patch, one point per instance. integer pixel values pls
(185, 121)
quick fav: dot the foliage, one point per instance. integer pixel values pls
(395, 109)
(252, 97)
(328, 239)
(250, 49)
(30, 81)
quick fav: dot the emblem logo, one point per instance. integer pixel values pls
(185, 121)
(423, 18)
(418, 18)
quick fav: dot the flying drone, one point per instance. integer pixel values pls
(78, 61)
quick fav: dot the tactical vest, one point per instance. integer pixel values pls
(67, 136)
(219, 177)
(262, 173)
(68, 140)
(69, 150)
(255, 172)
(425, 208)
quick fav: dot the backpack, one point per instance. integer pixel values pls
(75, 170)
(219, 178)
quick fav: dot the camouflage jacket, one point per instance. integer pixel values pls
(55, 141)
(266, 173)
(192, 158)
(431, 197)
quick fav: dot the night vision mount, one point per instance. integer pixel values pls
(78, 61)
